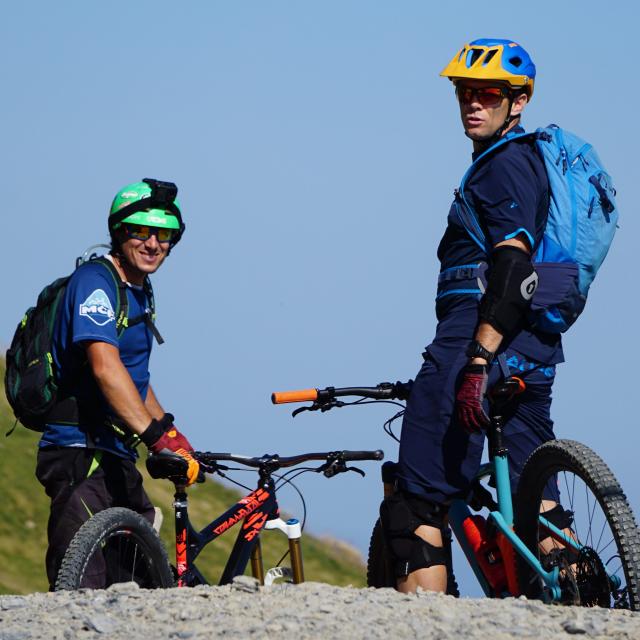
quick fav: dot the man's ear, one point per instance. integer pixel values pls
(519, 103)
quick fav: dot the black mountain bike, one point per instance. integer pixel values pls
(119, 545)
(592, 558)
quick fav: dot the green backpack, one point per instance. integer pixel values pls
(31, 380)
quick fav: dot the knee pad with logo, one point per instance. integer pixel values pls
(400, 516)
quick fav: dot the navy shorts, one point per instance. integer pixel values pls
(438, 459)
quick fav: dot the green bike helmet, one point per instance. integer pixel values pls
(150, 202)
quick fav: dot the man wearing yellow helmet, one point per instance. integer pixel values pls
(106, 405)
(484, 291)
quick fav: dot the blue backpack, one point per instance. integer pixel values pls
(582, 222)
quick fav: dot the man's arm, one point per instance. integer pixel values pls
(118, 388)
(510, 288)
(152, 404)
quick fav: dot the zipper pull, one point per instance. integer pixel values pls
(593, 201)
(565, 162)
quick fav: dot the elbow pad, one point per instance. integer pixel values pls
(511, 283)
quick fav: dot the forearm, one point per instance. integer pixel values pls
(116, 385)
(489, 338)
(153, 406)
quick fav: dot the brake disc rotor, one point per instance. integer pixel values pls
(592, 579)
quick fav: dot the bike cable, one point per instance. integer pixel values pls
(388, 428)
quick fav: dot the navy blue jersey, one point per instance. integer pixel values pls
(88, 313)
(510, 193)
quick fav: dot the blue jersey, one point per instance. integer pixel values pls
(88, 313)
(510, 193)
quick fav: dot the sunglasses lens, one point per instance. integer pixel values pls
(486, 96)
(142, 232)
(165, 235)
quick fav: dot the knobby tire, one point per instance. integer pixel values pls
(582, 477)
(115, 545)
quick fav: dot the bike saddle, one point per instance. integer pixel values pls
(507, 388)
(164, 466)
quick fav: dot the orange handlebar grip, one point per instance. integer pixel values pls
(303, 395)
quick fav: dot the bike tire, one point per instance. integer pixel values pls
(602, 521)
(380, 570)
(115, 545)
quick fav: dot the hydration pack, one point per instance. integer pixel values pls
(31, 380)
(581, 223)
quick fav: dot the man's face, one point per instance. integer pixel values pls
(484, 106)
(143, 256)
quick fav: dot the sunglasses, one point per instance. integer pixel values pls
(144, 232)
(486, 96)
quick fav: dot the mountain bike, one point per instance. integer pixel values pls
(515, 545)
(119, 545)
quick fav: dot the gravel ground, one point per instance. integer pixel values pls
(310, 610)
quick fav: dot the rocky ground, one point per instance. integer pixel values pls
(311, 610)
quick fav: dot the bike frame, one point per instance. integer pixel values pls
(258, 510)
(502, 518)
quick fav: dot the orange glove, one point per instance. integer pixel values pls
(162, 436)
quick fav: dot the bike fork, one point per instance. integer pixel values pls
(292, 529)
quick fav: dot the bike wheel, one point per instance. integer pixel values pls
(380, 570)
(606, 571)
(115, 545)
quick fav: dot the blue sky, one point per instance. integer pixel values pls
(316, 151)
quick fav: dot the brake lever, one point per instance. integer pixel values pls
(333, 468)
(212, 468)
(322, 406)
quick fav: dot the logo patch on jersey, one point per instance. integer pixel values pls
(98, 308)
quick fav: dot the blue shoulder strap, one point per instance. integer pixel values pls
(466, 213)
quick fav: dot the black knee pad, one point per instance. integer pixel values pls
(400, 516)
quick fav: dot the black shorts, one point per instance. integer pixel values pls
(81, 482)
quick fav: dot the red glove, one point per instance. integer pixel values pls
(469, 411)
(162, 436)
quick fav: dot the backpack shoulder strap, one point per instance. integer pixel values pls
(466, 213)
(122, 302)
(149, 315)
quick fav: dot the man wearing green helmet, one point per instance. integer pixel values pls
(105, 328)
(484, 292)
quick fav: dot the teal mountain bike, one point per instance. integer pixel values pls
(591, 559)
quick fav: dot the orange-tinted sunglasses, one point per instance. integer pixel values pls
(486, 96)
(144, 232)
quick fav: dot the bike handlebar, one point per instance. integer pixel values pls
(280, 462)
(383, 391)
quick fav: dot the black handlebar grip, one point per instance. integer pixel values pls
(363, 455)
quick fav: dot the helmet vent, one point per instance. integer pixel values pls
(488, 57)
(473, 55)
(516, 61)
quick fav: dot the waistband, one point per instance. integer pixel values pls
(68, 411)
(464, 279)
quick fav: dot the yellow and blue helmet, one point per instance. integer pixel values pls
(493, 59)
